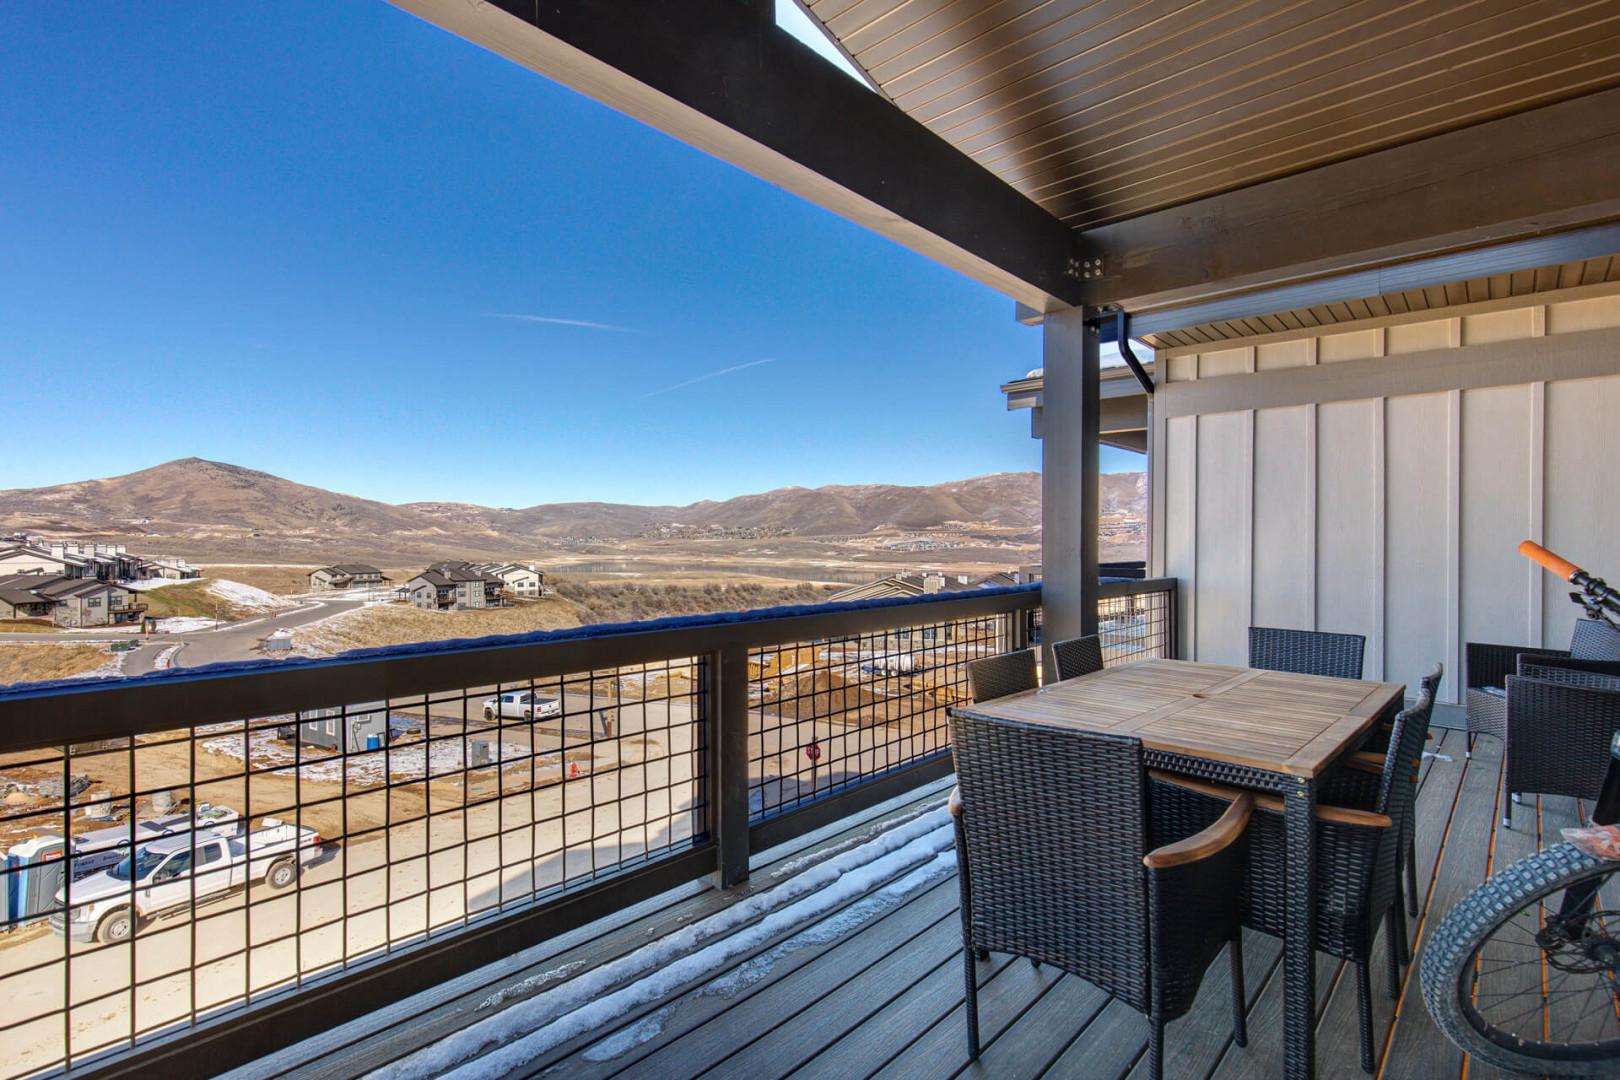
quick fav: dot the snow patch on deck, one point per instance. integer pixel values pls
(914, 854)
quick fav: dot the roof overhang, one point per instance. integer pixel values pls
(1123, 413)
(1190, 166)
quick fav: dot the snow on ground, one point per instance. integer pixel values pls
(915, 854)
(248, 596)
(184, 624)
(398, 763)
(112, 668)
(149, 584)
(165, 659)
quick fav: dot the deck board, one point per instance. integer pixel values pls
(885, 998)
(1416, 1048)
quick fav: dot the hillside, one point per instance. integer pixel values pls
(201, 506)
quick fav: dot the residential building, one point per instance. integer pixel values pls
(24, 558)
(174, 569)
(346, 576)
(521, 579)
(448, 586)
(68, 601)
(921, 584)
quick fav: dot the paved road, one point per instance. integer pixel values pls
(231, 641)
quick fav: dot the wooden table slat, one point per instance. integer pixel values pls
(1275, 721)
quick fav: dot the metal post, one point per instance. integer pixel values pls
(1069, 464)
(728, 762)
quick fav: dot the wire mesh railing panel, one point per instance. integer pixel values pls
(827, 715)
(152, 881)
(1136, 626)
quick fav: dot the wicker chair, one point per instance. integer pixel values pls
(1077, 656)
(1057, 861)
(1306, 652)
(1598, 674)
(1357, 864)
(998, 676)
(1594, 640)
(1558, 736)
(1485, 696)
(1357, 783)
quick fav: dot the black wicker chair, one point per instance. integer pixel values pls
(1061, 859)
(1558, 736)
(1599, 674)
(1306, 652)
(1485, 693)
(1357, 864)
(998, 676)
(1077, 656)
(1594, 640)
(1357, 783)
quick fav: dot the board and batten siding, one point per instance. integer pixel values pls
(1377, 479)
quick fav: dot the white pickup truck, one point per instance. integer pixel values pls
(170, 873)
(521, 705)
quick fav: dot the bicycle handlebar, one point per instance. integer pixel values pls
(1549, 561)
(1598, 597)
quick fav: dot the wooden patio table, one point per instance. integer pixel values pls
(1265, 730)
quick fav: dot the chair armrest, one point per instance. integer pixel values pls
(1490, 665)
(1226, 830)
(1366, 819)
(1364, 761)
(1273, 803)
(955, 803)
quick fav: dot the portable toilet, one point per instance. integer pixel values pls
(36, 868)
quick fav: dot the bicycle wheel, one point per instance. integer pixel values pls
(1519, 986)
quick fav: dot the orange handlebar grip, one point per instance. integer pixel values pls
(1536, 553)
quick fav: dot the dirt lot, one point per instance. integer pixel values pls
(27, 662)
(26, 626)
(281, 580)
(191, 598)
(401, 624)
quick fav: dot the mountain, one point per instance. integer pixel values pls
(196, 505)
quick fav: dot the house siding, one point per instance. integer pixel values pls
(1387, 497)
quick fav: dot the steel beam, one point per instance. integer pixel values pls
(1069, 463)
(715, 75)
(1532, 175)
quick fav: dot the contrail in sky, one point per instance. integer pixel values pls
(710, 375)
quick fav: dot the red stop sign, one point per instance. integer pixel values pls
(813, 751)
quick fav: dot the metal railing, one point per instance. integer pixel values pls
(1136, 620)
(206, 865)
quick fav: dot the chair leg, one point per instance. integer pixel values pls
(1507, 813)
(1240, 1000)
(1156, 1049)
(1364, 1003)
(1392, 954)
(1468, 746)
(972, 1004)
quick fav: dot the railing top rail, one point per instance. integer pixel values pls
(1135, 587)
(45, 714)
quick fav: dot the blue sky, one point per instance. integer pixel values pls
(338, 244)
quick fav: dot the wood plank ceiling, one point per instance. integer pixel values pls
(1100, 110)
(1499, 287)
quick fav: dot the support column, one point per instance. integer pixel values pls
(1069, 485)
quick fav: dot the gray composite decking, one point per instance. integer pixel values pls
(884, 997)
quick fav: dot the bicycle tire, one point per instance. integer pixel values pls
(1449, 954)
